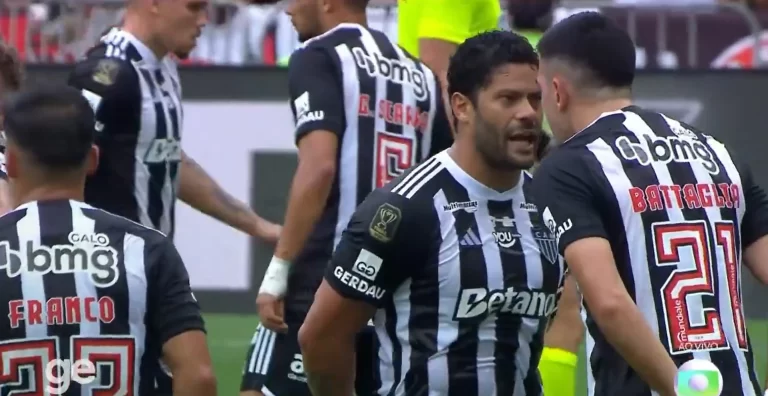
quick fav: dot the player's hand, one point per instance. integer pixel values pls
(267, 231)
(271, 312)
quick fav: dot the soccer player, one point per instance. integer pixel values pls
(653, 217)
(11, 75)
(134, 88)
(79, 283)
(451, 260)
(133, 85)
(365, 111)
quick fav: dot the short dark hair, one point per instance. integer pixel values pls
(595, 43)
(358, 5)
(11, 68)
(475, 60)
(55, 125)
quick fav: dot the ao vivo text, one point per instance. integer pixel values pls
(60, 374)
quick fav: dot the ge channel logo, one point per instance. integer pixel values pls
(698, 378)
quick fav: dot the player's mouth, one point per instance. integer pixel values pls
(530, 137)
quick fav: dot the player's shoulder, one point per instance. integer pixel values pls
(150, 237)
(309, 57)
(412, 193)
(102, 73)
(571, 163)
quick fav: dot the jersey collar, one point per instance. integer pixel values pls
(473, 186)
(147, 56)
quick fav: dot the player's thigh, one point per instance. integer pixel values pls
(367, 371)
(274, 365)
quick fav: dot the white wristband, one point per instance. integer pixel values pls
(275, 280)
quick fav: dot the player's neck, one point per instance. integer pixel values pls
(586, 113)
(134, 26)
(472, 162)
(22, 194)
(344, 16)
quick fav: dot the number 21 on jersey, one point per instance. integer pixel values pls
(690, 329)
(393, 155)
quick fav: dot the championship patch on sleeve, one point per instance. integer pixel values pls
(385, 222)
(106, 71)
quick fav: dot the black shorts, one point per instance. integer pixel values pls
(274, 364)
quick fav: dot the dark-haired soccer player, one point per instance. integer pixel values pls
(652, 217)
(11, 76)
(451, 260)
(365, 111)
(79, 283)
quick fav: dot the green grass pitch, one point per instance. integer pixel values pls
(230, 335)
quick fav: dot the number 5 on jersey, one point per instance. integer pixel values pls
(394, 154)
(690, 329)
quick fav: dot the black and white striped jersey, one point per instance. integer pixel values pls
(465, 277)
(80, 283)
(137, 101)
(678, 210)
(3, 171)
(386, 109)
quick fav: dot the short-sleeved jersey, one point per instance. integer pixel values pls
(450, 20)
(137, 101)
(465, 277)
(77, 282)
(678, 210)
(386, 110)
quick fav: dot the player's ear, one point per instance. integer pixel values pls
(462, 107)
(92, 162)
(11, 162)
(561, 93)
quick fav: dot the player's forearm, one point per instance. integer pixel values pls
(566, 330)
(200, 191)
(625, 328)
(755, 258)
(194, 382)
(309, 193)
(329, 365)
(436, 54)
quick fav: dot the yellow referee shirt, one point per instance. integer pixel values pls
(450, 20)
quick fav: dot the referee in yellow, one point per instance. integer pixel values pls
(431, 30)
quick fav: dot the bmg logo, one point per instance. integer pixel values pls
(698, 378)
(59, 374)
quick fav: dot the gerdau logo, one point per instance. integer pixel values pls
(60, 374)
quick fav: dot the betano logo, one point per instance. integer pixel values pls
(481, 302)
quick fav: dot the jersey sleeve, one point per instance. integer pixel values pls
(112, 87)
(174, 309)
(567, 199)
(317, 100)
(755, 223)
(386, 240)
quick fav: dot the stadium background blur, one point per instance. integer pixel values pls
(702, 61)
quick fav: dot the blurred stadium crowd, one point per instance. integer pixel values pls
(253, 32)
